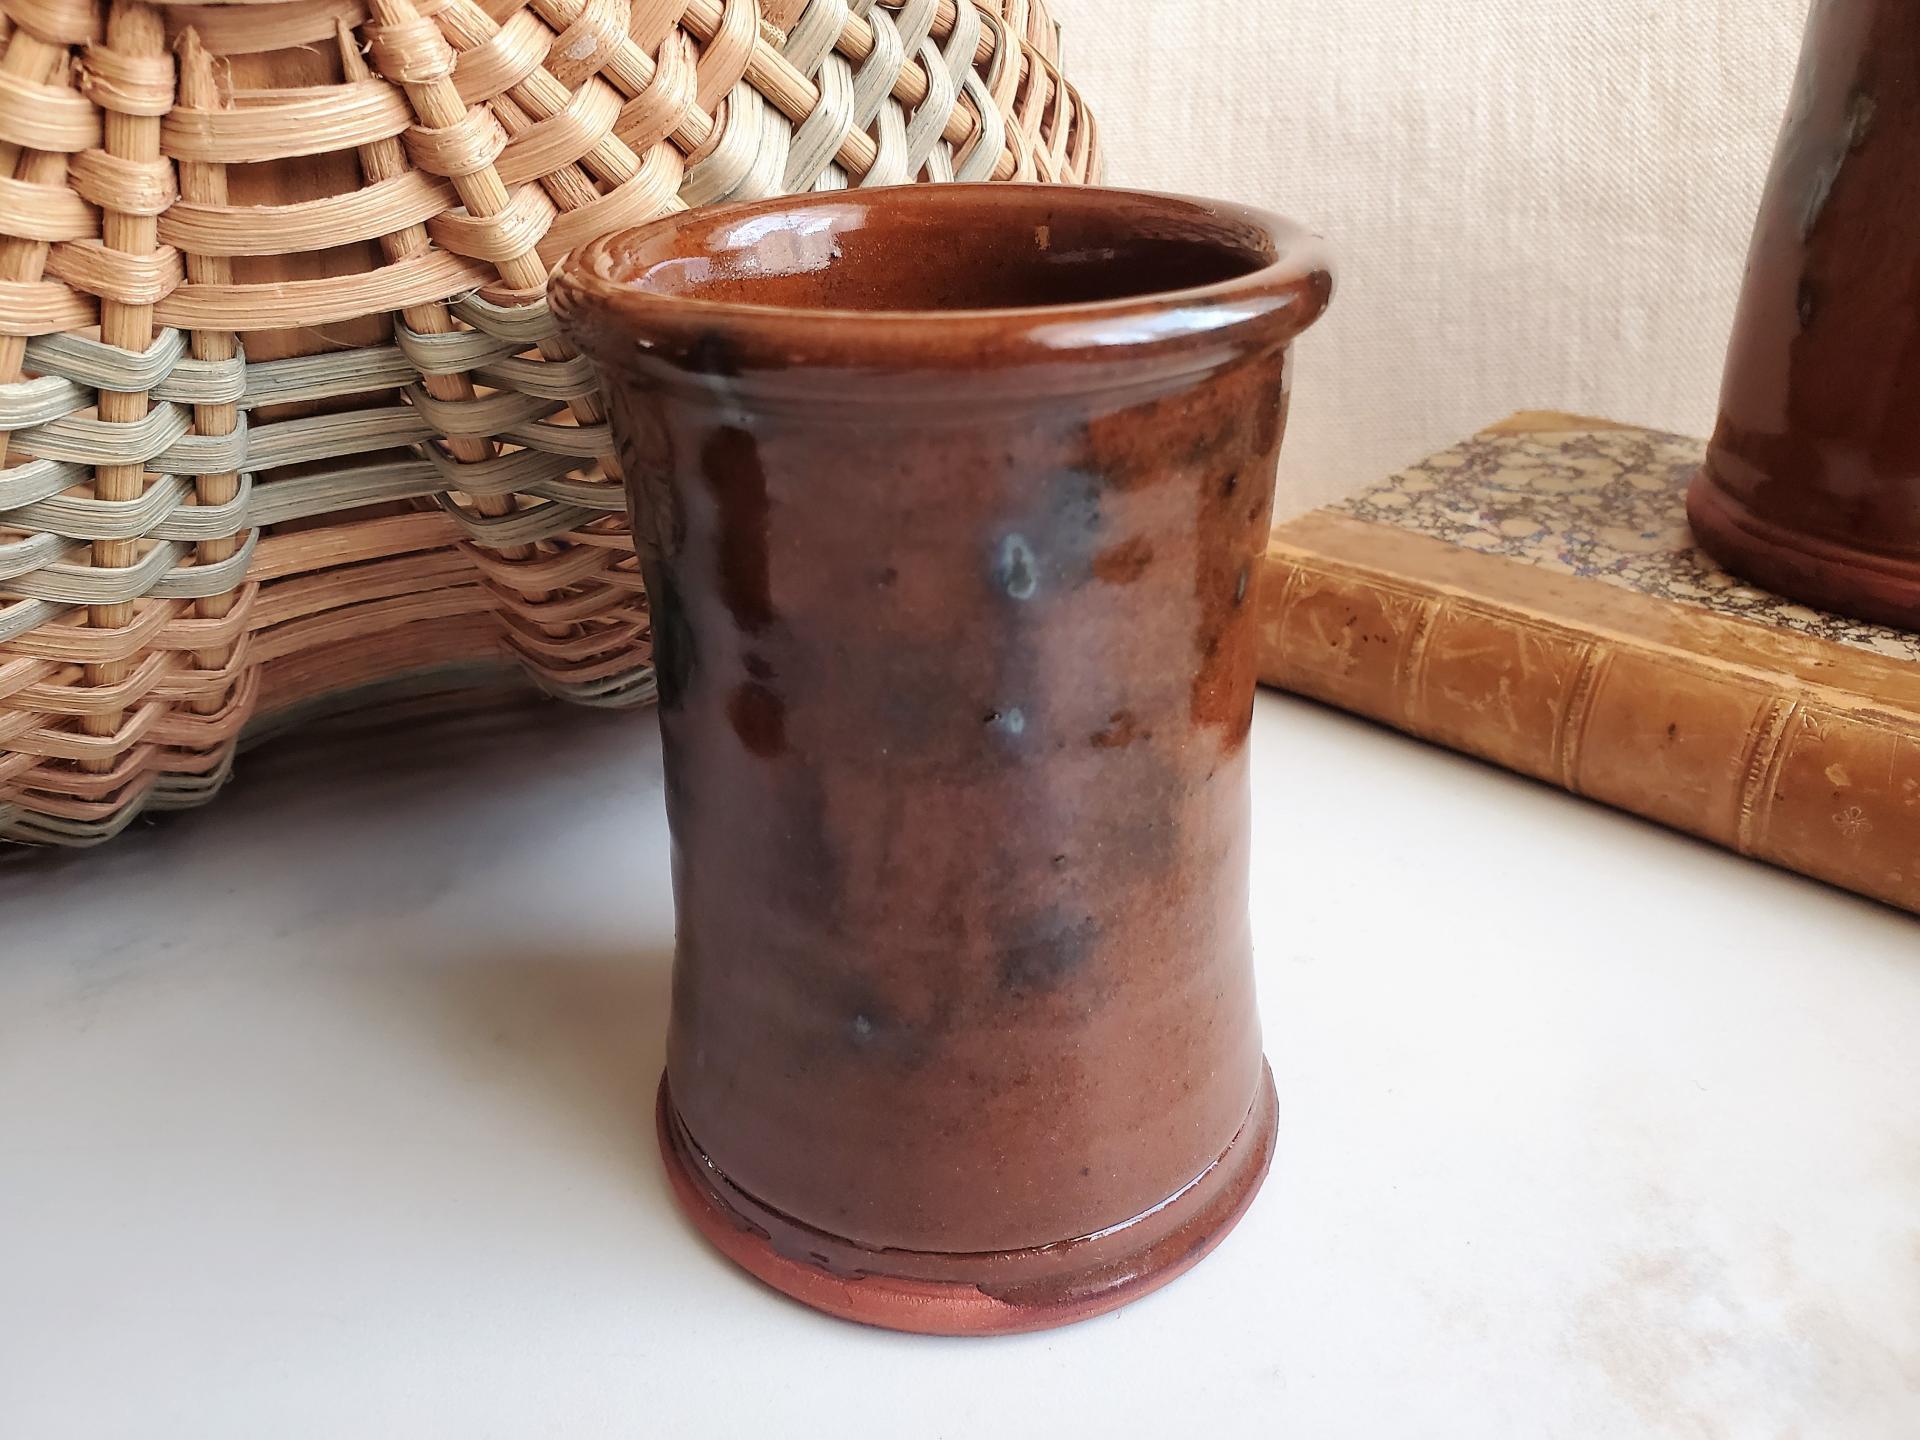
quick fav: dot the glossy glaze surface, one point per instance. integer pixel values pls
(1812, 484)
(951, 606)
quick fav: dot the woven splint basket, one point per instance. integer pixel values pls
(285, 423)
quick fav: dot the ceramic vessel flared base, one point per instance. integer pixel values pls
(1827, 574)
(999, 1293)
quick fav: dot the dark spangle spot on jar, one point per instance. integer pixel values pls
(887, 578)
(1230, 482)
(673, 643)
(1129, 450)
(1211, 440)
(713, 354)
(647, 457)
(1121, 730)
(1124, 563)
(730, 460)
(759, 718)
(1085, 1171)
(863, 1021)
(1048, 955)
(1072, 508)
(758, 666)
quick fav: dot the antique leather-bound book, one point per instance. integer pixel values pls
(1532, 596)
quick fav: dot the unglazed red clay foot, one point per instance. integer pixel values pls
(956, 671)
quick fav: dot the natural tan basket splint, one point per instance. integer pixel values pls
(284, 417)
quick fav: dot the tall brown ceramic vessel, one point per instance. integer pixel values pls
(956, 669)
(1812, 484)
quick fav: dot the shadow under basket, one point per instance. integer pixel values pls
(286, 425)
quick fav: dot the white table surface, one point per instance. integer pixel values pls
(326, 1111)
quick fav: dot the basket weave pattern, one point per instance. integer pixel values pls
(282, 411)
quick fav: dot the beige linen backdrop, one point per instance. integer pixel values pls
(1537, 203)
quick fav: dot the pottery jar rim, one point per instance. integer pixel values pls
(1170, 287)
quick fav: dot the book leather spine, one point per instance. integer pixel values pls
(1814, 780)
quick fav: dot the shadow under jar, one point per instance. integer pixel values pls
(949, 502)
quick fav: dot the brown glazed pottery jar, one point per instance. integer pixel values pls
(949, 500)
(1812, 484)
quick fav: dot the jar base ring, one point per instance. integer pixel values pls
(1826, 574)
(971, 1294)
